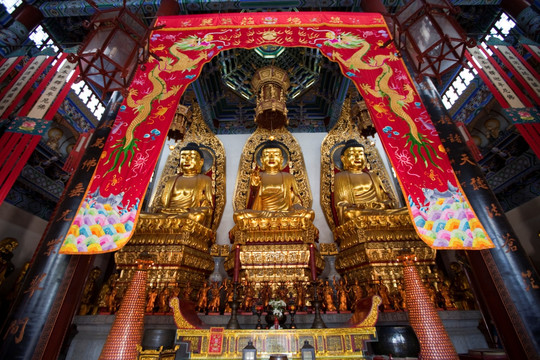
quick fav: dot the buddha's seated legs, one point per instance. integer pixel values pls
(250, 214)
(353, 213)
(202, 215)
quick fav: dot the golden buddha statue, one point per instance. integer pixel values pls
(272, 198)
(356, 190)
(180, 225)
(273, 192)
(188, 195)
(359, 204)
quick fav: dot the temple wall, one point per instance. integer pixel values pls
(525, 220)
(27, 230)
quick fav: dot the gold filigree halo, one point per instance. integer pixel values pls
(201, 134)
(296, 163)
(344, 130)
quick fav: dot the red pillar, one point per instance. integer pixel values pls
(128, 326)
(434, 341)
(168, 7)
(377, 6)
(29, 16)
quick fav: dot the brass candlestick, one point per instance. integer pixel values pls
(318, 322)
(233, 321)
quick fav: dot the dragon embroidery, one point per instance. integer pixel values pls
(397, 102)
(124, 149)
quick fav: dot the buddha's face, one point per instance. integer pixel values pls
(354, 159)
(191, 162)
(271, 159)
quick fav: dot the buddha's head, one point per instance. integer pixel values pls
(353, 156)
(191, 159)
(271, 157)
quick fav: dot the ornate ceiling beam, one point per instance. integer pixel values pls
(82, 8)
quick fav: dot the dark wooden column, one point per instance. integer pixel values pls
(42, 311)
(509, 284)
(25, 19)
(525, 16)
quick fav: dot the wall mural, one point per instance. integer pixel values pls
(107, 216)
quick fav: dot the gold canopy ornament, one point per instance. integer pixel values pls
(274, 243)
(180, 123)
(360, 116)
(270, 85)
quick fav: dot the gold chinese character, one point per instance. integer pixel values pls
(510, 242)
(50, 246)
(529, 280)
(89, 164)
(465, 159)
(64, 216)
(107, 124)
(34, 285)
(77, 190)
(17, 326)
(100, 143)
(493, 211)
(478, 183)
(454, 138)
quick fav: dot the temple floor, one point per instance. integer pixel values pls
(92, 331)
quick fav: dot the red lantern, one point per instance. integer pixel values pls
(108, 58)
(435, 42)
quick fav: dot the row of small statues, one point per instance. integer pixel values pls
(335, 295)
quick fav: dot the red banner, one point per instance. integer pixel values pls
(520, 68)
(28, 82)
(442, 215)
(469, 141)
(12, 94)
(75, 156)
(534, 50)
(20, 141)
(518, 107)
(7, 65)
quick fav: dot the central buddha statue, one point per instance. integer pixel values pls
(356, 190)
(189, 194)
(273, 192)
(273, 219)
